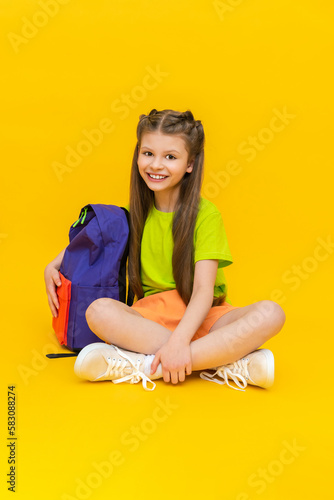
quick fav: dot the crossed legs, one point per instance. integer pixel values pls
(234, 335)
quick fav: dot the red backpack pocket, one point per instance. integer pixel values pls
(60, 323)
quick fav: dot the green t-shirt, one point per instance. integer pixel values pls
(210, 242)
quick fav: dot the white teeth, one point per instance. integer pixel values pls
(157, 176)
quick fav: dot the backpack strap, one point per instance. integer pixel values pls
(130, 296)
(61, 355)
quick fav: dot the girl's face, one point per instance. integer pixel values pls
(163, 161)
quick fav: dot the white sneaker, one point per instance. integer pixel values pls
(100, 361)
(257, 368)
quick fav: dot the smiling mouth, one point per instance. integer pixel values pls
(157, 177)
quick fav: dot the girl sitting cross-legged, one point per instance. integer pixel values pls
(182, 320)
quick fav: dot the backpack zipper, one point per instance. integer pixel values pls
(83, 214)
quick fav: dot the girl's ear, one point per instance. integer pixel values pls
(190, 166)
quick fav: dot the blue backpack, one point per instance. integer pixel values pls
(93, 266)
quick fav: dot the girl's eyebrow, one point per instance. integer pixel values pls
(168, 151)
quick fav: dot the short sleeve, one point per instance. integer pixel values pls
(210, 240)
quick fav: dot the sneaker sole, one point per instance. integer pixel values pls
(82, 355)
(270, 368)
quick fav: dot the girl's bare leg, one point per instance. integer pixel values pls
(116, 323)
(234, 335)
(237, 333)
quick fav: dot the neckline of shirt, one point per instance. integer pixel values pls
(163, 214)
(169, 214)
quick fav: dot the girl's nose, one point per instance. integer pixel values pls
(156, 163)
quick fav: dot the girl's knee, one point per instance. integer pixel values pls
(272, 313)
(98, 308)
(277, 313)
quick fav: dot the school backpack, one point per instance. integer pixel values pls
(93, 266)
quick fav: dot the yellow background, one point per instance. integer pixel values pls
(234, 64)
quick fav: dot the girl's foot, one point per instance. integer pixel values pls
(257, 368)
(100, 361)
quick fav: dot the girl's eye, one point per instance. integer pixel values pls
(149, 152)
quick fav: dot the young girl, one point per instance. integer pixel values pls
(182, 320)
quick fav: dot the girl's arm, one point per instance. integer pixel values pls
(200, 301)
(51, 277)
(175, 355)
(57, 260)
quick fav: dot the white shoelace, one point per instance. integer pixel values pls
(116, 369)
(236, 370)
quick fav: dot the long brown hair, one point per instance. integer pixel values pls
(186, 209)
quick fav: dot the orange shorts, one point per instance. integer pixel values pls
(167, 309)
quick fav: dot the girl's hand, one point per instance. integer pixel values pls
(175, 359)
(52, 280)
